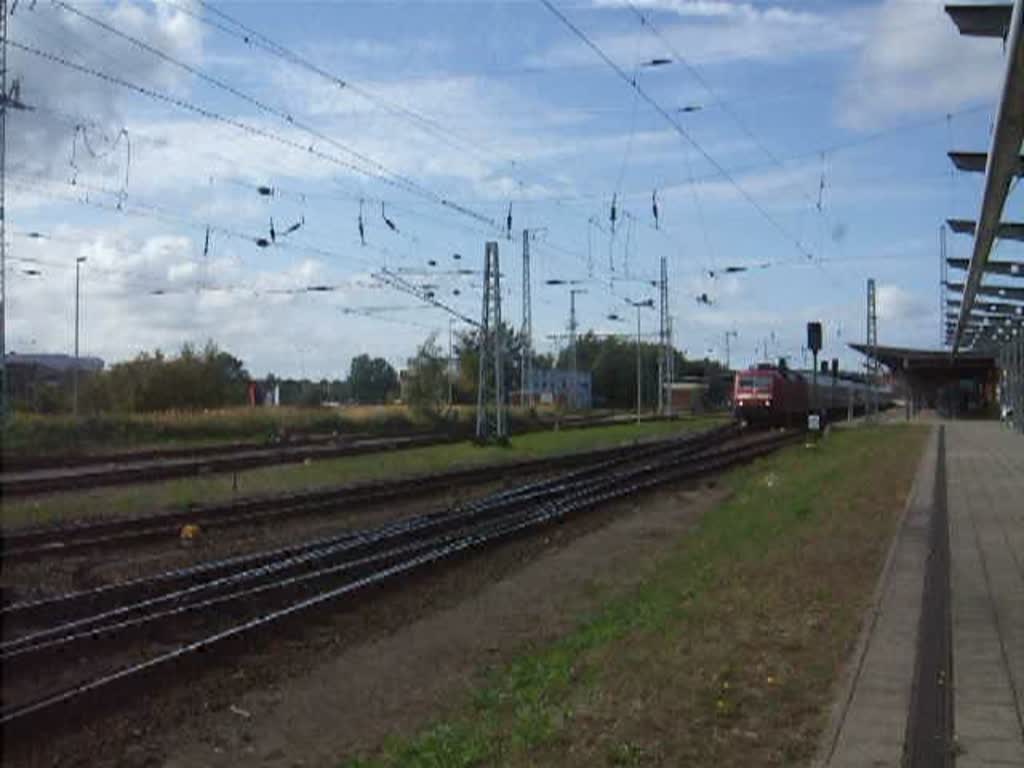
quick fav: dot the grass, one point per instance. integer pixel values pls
(136, 499)
(726, 654)
(33, 434)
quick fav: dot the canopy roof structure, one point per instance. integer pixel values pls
(907, 358)
(994, 267)
(991, 20)
(976, 162)
(1001, 164)
(1004, 230)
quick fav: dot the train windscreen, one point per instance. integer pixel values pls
(756, 383)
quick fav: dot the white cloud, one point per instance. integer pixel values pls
(898, 305)
(712, 9)
(62, 97)
(228, 300)
(914, 60)
(716, 33)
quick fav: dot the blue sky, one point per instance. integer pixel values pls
(831, 121)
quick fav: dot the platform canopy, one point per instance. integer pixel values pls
(908, 358)
(994, 307)
(1006, 230)
(1002, 162)
(976, 162)
(1014, 293)
(988, 20)
(1012, 268)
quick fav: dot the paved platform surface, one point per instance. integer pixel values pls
(868, 721)
(985, 504)
(985, 481)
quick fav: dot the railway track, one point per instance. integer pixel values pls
(28, 476)
(63, 539)
(105, 473)
(133, 632)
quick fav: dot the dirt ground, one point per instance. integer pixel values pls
(395, 661)
(350, 703)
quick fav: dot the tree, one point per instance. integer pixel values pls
(371, 380)
(467, 353)
(611, 361)
(207, 378)
(426, 384)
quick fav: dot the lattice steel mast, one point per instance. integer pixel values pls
(490, 400)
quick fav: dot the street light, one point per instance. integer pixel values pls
(649, 304)
(573, 292)
(78, 271)
(728, 335)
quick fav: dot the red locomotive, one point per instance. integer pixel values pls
(768, 394)
(776, 396)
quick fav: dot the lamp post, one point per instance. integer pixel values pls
(728, 335)
(78, 279)
(573, 292)
(649, 304)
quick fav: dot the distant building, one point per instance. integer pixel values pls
(554, 387)
(29, 375)
(688, 396)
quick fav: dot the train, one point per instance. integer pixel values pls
(774, 395)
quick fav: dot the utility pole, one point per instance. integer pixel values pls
(526, 333)
(648, 303)
(638, 366)
(872, 341)
(573, 360)
(664, 337)
(671, 366)
(490, 426)
(451, 358)
(74, 395)
(728, 334)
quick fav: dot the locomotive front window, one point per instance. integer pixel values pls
(762, 383)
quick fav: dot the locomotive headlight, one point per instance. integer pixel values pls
(767, 403)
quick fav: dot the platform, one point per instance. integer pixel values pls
(985, 491)
(879, 703)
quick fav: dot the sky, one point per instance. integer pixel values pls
(805, 141)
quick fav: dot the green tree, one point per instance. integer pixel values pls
(372, 380)
(207, 378)
(426, 384)
(467, 355)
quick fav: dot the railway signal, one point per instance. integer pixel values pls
(814, 344)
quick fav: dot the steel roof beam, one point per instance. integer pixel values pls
(996, 307)
(992, 20)
(1001, 291)
(1008, 268)
(976, 162)
(1004, 230)
(1004, 152)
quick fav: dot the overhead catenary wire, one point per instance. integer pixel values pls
(383, 174)
(683, 133)
(206, 228)
(252, 37)
(624, 209)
